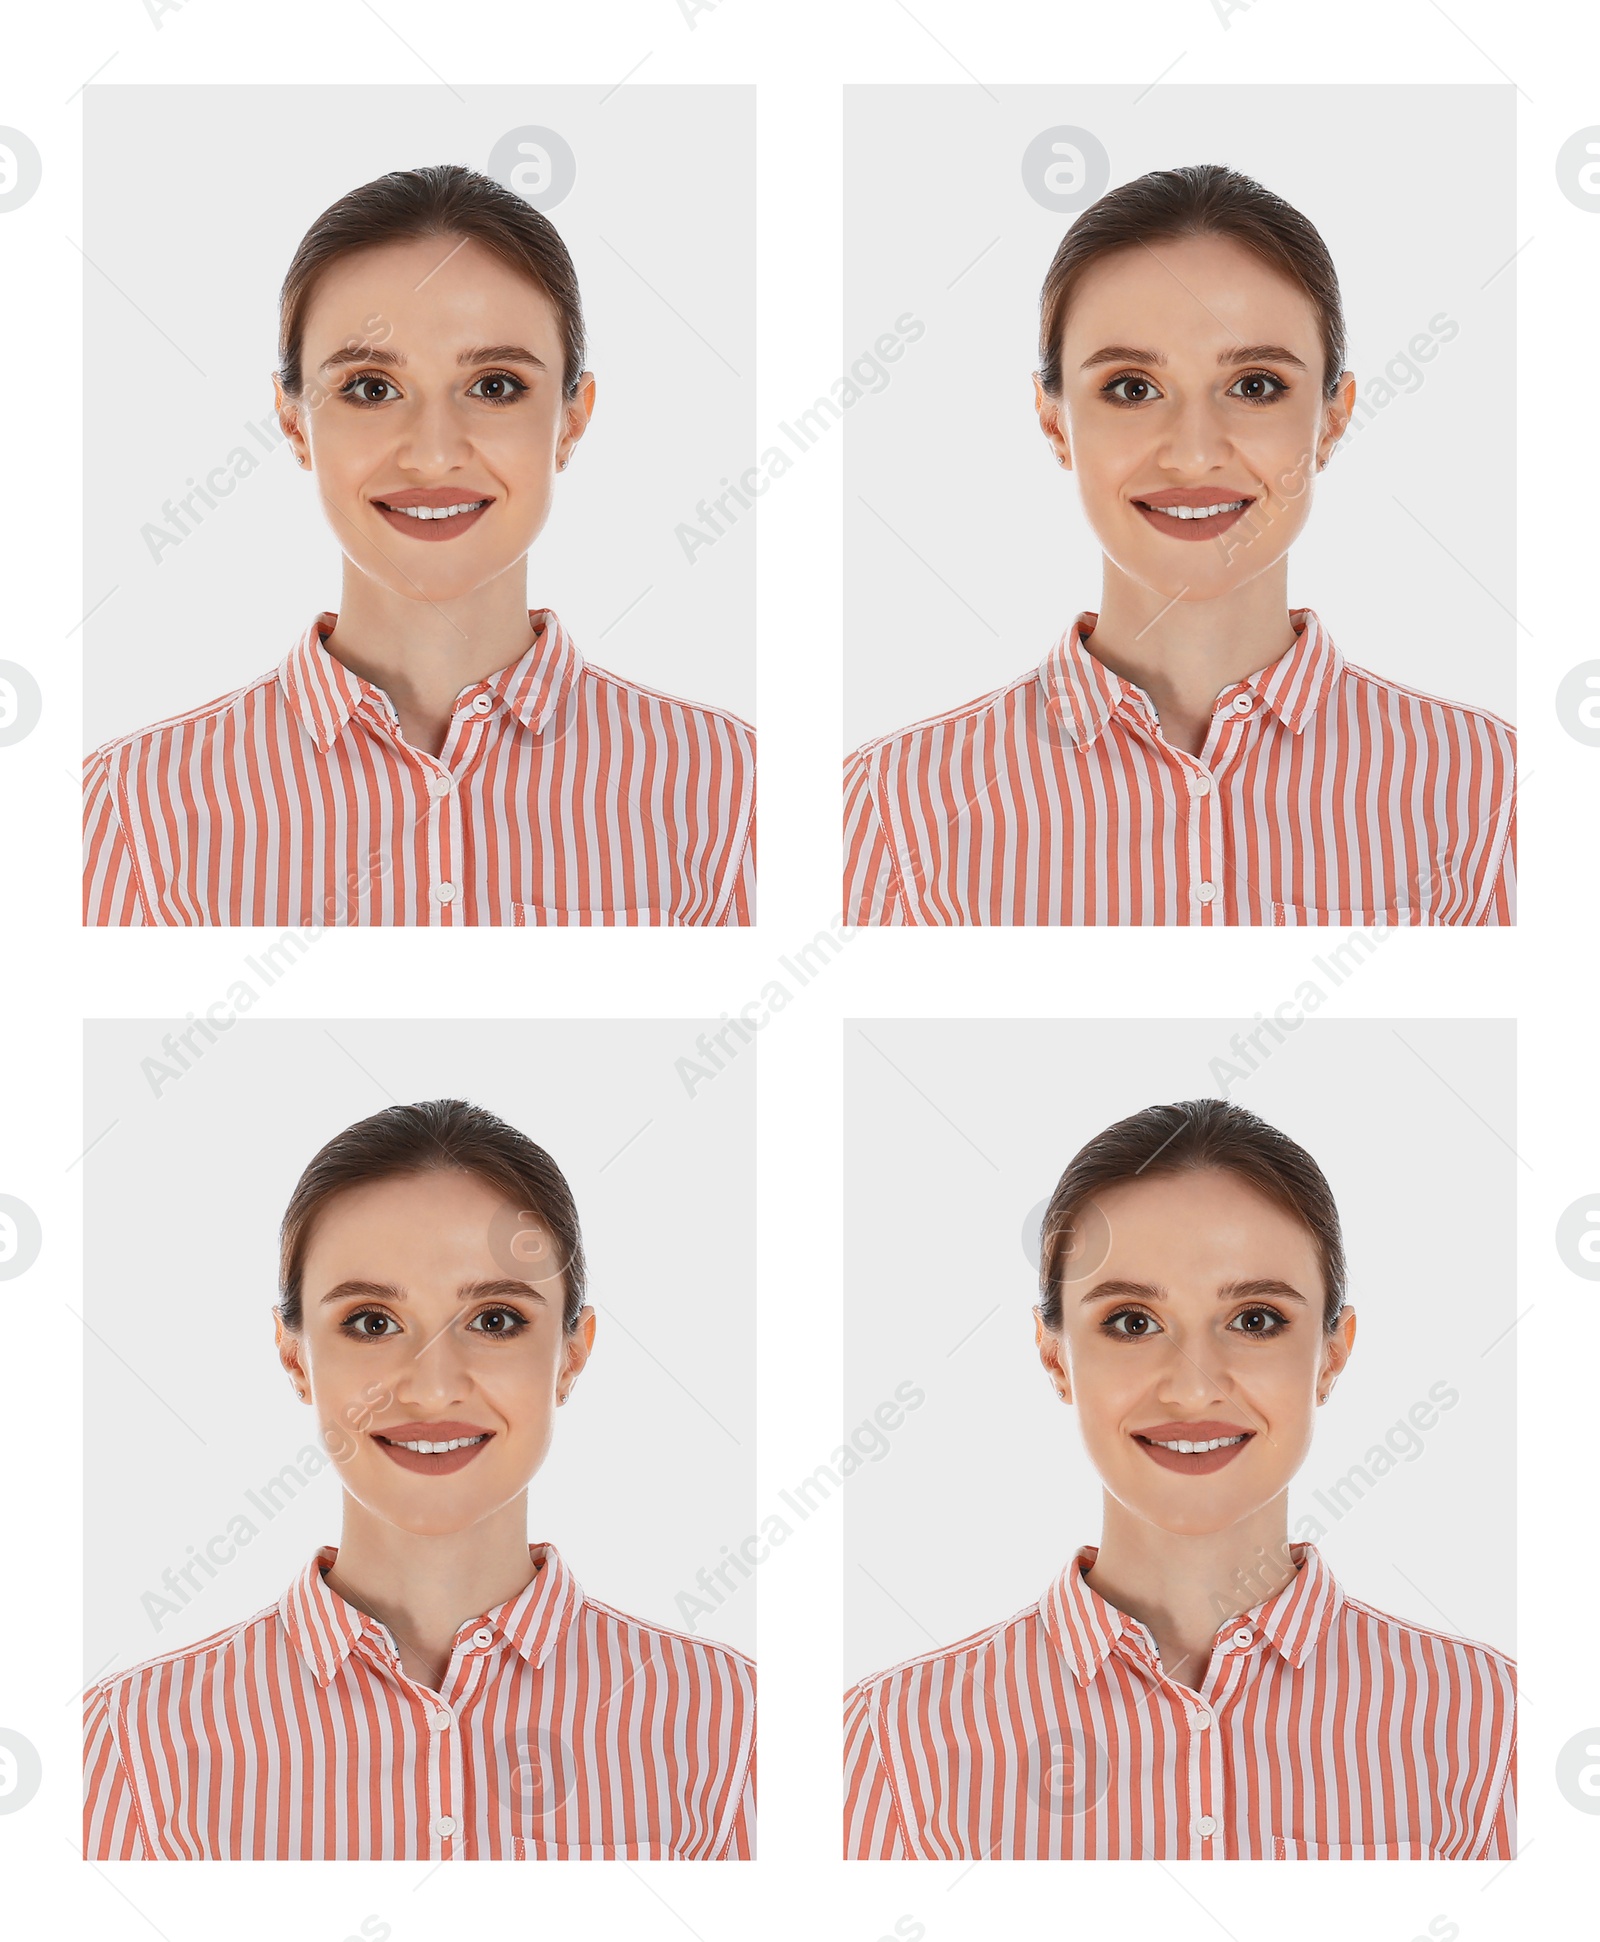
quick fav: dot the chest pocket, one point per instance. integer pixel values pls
(552, 914)
(532, 1850)
(1280, 1848)
(1396, 916)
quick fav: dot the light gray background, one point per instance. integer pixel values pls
(987, 557)
(195, 200)
(957, 1131)
(186, 1406)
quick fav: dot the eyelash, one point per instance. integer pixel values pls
(1280, 1322)
(347, 390)
(1108, 389)
(519, 1324)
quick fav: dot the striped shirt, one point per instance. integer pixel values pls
(1323, 795)
(562, 795)
(563, 1730)
(1321, 1728)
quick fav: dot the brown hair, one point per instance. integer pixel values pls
(1204, 199)
(436, 1136)
(442, 200)
(1187, 1137)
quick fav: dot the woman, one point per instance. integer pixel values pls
(1195, 752)
(435, 752)
(433, 1687)
(1196, 1686)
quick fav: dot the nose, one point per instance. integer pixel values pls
(435, 1375)
(434, 437)
(1192, 1377)
(1196, 437)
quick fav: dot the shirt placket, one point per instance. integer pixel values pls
(446, 854)
(437, 1834)
(1231, 1657)
(1208, 835)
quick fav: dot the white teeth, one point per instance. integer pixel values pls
(438, 1449)
(439, 512)
(1199, 512)
(1196, 1449)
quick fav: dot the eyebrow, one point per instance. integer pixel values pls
(468, 1291)
(1267, 1288)
(1235, 354)
(395, 361)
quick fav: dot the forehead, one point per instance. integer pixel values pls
(413, 1230)
(1201, 1228)
(1204, 291)
(444, 293)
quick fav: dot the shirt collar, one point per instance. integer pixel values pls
(324, 1628)
(1086, 1629)
(1083, 694)
(324, 693)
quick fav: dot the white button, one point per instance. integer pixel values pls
(1205, 1826)
(1243, 1637)
(1206, 892)
(1200, 1720)
(1202, 785)
(441, 1718)
(481, 704)
(1242, 704)
(445, 892)
(446, 1825)
(439, 785)
(483, 1636)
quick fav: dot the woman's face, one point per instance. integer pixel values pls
(1203, 1324)
(416, 1329)
(432, 375)
(1192, 378)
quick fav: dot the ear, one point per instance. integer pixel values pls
(1052, 1353)
(289, 423)
(1049, 410)
(1336, 1346)
(579, 410)
(289, 1354)
(1336, 415)
(575, 1352)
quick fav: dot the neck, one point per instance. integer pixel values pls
(422, 653)
(1185, 1589)
(424, 1588)
(1183, 653)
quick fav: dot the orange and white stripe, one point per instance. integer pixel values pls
(1323, 795)
(563, 795)
(564, 1730)
(1322, 1728)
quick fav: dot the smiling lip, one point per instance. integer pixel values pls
(435, 1463)
(1193, 1463)
(1194, 521)
(430, 516)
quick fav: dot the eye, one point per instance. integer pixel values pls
(1131, 1324)
(500, 1323)
(358, 1324)
(1259, 1322)
(503, 388)
(1257, 388)
(367, 388)
(1129, 389)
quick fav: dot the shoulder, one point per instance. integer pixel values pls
(956, 1663)
(177, 730)
(952, 723)
(692, 714)
(118, 1692)
(702, 1660)
(1453, 1659)
(1471, 724)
